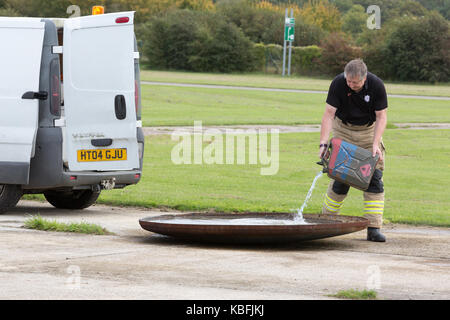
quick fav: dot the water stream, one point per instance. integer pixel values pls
(299, 216)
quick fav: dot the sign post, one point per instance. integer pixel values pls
(285, 39)
(289, 24)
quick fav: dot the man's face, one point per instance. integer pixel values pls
(355, 83)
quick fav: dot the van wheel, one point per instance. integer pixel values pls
(9, 196)
(76, 199)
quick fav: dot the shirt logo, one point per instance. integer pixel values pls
(367, 98)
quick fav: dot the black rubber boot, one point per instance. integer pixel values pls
(374, 234)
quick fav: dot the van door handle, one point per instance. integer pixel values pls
(41, 95)
(120, 107)
(101, 142)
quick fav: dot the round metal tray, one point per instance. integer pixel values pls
(224, 229)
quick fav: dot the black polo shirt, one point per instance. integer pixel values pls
(357, 107)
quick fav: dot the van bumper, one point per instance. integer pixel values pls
(121, 179)
(87, 180)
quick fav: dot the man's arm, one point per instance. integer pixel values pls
(325, 128)
(380, 125)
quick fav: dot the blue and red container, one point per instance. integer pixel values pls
(349, 164)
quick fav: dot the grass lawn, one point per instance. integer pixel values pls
(39, 223)
(277, 81)
(355, 294)
(166, 105)
(416, 179)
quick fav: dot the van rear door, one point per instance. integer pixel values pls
(20, 61)
(99, 93)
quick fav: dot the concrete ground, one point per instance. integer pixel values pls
(136, 264)
(158, 130)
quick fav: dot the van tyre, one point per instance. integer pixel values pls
(9, 196)
(76, 199)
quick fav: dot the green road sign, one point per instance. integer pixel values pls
(289, 33)
(289, 21)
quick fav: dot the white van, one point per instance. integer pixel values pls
(70, 110)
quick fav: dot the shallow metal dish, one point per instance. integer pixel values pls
(319, 226)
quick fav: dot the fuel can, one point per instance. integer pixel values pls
(349, 164)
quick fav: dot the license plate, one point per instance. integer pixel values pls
(102, 155)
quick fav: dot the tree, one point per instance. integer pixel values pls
(9, 12)
(393, 9)
(337, 50)
(155, 43)
(145, 9)
(222, 47)
(418, 49)
(323, 14)
(354, 21)
(375, 52)
(168, 39)
(196, 41)
(342, 5)
(443, 6)
(307, 34)
(259, 24)
(195, 4)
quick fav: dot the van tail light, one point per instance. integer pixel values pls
(137, 87)
(137, 99)
(122, 20)
(136, 96)
(55, 88)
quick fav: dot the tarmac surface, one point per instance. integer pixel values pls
(160, 130)
(133, 263)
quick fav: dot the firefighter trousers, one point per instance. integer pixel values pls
(361, 136)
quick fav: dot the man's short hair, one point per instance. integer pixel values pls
(355, 68)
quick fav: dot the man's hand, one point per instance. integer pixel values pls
(376, 150)
(380, 125)
(322, 151)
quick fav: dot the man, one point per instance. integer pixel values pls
(356, 111)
